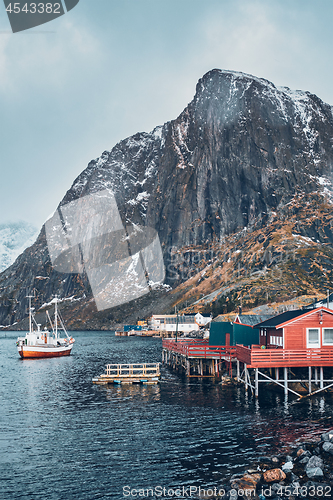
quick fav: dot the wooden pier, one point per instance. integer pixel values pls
(138, 373)
(138, 333)
(196, 358)
(302, 372)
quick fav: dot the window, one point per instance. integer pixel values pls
(328, 336)
(313, 337)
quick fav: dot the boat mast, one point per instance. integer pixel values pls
(30, 313)
(56, 316)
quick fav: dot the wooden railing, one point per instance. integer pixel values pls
(199, 349)
(258, 358)
(243, 354)
(133, 370)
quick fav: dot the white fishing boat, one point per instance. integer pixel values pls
(39, 343)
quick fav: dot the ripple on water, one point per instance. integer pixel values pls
(63, 438)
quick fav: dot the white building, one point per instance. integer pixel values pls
(202, 320)
(168, 323)
(186, 323)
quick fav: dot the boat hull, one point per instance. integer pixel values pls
(27, 351)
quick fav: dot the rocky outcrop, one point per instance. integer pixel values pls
(238, 155)
(285, 476)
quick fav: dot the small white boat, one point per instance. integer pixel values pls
(44, 343)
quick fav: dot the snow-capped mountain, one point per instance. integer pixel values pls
(15, 237)
(242, 155)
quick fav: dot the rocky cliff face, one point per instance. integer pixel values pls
(235, 157)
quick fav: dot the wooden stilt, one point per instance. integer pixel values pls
(321, 374)
(256, 383)
(310, 375)
(278, 383)
(285, 369)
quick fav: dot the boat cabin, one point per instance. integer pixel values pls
(299, 329)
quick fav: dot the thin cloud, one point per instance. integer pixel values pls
(46, 63)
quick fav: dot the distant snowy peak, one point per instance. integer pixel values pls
(15, 237)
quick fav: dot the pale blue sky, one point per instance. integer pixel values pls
(109, 68)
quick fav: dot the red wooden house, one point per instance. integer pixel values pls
(301, 329)
(290, 340)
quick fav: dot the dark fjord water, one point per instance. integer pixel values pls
(63, 438)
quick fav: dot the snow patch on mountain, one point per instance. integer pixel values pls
(15, 237)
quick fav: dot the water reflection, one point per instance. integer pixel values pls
(179, 432)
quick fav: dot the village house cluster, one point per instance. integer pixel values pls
(293, 350)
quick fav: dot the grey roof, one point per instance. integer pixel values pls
(281, 318)
(253, 319)
(221, 318)
(245, 319)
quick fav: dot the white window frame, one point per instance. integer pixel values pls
(277, 340)
(326, 343)
(311, 345)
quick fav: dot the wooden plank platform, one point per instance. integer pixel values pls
(137, 373)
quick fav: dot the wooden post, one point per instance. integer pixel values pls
(310, 375)
(316, 376)
(256, 382)
(245, 376)
(285, 369)
(238, 371)
(188, 367)
(277, 374)
(321, 377)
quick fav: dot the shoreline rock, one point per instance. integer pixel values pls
(304, 473)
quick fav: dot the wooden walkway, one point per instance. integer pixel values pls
(254, 366)
(196, 357)
(138, 373)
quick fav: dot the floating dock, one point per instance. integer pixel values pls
(138, 373)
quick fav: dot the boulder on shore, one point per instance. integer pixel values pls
(274, 475)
